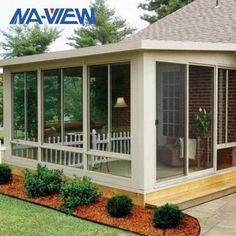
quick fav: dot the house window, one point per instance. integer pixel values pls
(25, 120)
(109, 87)
(63, 106)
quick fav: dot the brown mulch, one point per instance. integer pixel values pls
(139, 221)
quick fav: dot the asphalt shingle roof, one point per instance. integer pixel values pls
(199, 21)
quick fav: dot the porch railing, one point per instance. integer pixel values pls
(115, 142)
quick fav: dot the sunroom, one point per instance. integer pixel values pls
(125, 114)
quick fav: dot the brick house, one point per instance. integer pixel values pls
(152, 116)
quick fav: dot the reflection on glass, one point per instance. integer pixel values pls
(120, 110)
(25, 106)
(25, 151)
(73, 107)
(110, 108)
(32, 106)
(170, 115)
(200, 117)
(19, 105)
(98, 83)
(52, 106)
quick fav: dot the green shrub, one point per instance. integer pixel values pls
(78, 191)
(5, 174)
(43, 183)
(167, 216)
(119, 206)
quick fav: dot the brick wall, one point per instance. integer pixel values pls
(224, 158)
(232, 106)
(201, 95)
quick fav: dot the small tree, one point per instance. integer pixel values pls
(108, 28)
(160, 8)
(22, 40)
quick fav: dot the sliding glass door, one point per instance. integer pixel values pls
(201, 84)
(170, 102)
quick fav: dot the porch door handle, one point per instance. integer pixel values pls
(156, 122)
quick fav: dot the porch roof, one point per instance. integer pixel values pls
(125, 46)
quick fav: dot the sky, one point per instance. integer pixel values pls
(127, 9)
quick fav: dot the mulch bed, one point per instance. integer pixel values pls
(139, 221)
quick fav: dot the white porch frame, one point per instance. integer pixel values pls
(143, 99)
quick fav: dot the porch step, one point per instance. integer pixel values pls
(194, 193)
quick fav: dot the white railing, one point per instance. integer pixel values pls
(115, 142)
(66, 158)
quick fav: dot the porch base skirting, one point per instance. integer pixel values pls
(186, 195)
(107, 191)
(194, 192)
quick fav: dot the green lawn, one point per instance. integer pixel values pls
(25, 219)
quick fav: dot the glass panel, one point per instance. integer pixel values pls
(25, 151)
(32, 107)
(52, 106)
(170, 115)
(120, 117)
(73, 107)
(200, 117)
(109, 165)
(226, 158)
(19, 105)
(231, 129)
(65, 158)
(98, 83)
(221, 106)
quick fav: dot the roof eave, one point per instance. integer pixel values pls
(125, 46)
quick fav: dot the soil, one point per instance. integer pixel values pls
(139, 221)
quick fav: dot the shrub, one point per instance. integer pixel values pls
(78, 191)
(43, 183)
(167, 216)
(5, 174)
(119, 206)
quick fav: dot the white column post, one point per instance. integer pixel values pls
(149, 120)
(186, 168)
(86, 119)
(215, 115)
(40, 115)
(7, 106)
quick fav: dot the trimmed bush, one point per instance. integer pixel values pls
(43, 183)
(5, 174)
(78, 191)
(167, 216)
(119, 206)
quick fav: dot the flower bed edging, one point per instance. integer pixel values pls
(138, 222)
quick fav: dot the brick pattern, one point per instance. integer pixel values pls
(221, 107)
(201, 95)
(232, 106)
(224, 158)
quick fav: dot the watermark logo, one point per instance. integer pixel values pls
(57, 16)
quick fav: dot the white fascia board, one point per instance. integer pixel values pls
(187, 46)
(125, 46)
(74, 53)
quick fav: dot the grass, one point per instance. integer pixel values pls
(25, 219)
